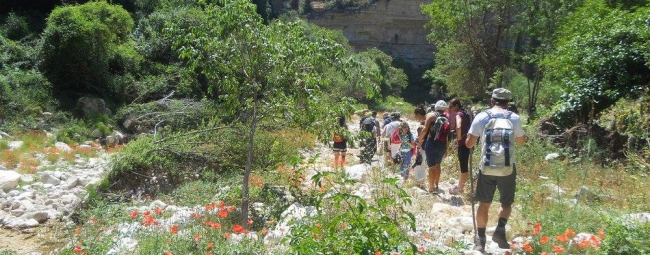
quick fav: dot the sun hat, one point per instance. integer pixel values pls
(501, 94)
(441, 105)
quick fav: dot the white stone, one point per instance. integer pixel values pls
(21, 223)
(40, 216)
(157, 204)
(552, 156)
(554, 188)
(357, 172)
(27, 178)
(27, 205)
(9, 180)
(13, 145)
(71, 183)
(13, 193)
(49, 178)
(63, 147)
(68, 199)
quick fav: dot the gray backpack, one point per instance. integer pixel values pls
(498, 144)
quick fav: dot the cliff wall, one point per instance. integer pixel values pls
(393, 26)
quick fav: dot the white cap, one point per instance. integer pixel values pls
(441, 105)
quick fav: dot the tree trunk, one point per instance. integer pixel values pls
(249, 165)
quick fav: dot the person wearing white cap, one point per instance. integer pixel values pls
(434, 142)
(499, 130)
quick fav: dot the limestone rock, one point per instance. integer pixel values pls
(9, 180)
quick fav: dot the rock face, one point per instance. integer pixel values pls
(395, 27)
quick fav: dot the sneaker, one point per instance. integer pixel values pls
(499, 237)
(479, 244)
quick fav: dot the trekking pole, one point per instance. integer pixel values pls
(471, 183)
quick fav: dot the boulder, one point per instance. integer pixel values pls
(92, 106)
(9, 180)
(63, 147)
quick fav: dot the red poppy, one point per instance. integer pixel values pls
(537, 228)
(249, 222)
(158, 210)
(173, 229)
(134, 214)
(223, 214)
(78, 249)
(558, 249)
(543, 240)
(238, 229)
(226, 235)
(168, 253)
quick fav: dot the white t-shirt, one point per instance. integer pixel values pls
(388, 129)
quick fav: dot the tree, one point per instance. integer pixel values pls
(262, 73)
(78, 43)
(601, 56)
(473, 36)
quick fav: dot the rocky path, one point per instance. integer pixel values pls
(444, 221)
(33, 206)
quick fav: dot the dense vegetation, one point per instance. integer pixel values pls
(212, 93)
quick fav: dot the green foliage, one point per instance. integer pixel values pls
(629, 117)
(472, 47)
(600, 57)
(79, 43)
(15, 27)
(24, 92)
(371, 77)
(348, 224)
(175, 157)
(625, 236)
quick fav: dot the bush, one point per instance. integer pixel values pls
(15, 27)
(348, 224)
(627, 237)
(78, 43)
(163, 162)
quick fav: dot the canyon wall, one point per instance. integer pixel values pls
(394, 26)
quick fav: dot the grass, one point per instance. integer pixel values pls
(36, 145)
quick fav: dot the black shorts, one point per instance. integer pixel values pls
(434, 150)
(487, 185)
(340, 146)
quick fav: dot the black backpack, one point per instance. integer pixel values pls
(368, 124)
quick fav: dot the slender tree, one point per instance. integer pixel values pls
(258, 72)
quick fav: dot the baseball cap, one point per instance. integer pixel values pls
(501, 94)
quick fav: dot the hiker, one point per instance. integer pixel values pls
(393, 147)
(377, 128)
(406, 148)
(461, 125)
(384, 141)
(368, 139)
(418, 167)
(433, 140)
(340, 146)
(499, 130)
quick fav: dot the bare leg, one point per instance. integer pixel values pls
(505, 211)
(462, 181)
(482, 214)
(436, 174)
(343, 158)
(337, 154)
(432, 181)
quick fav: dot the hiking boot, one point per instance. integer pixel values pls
(479, 244)
(499, 237)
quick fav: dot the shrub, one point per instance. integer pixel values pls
(348, 224)
(15, 27)
(170, 159)
(626, 237)
(78, 43)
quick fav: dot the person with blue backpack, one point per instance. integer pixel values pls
(499, 130)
